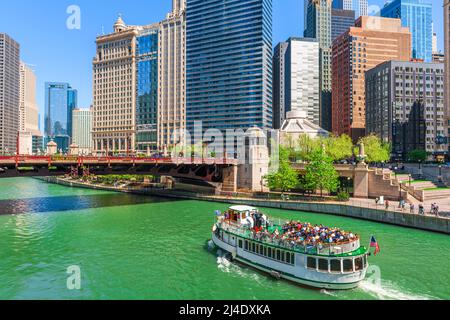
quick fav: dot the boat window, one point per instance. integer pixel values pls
(348, 265)
(359, 264)
(278, 255)
(257, 249)
(323, 265)
(261, 250)
(240, 244)
(335, 265)
(365, 261)
(312, 263)
(292, 258)
(265, 251)
(283, 256)
(246, 245)
(270, 252)
(253, 247)
(288, 257)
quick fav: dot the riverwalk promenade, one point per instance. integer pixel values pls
(364, 209)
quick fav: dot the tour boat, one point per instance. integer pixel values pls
(294, 251)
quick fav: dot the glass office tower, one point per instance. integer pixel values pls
(229, 64)
(147, 89)
(60, 100)
(417, 15)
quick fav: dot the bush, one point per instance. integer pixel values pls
(343, 196)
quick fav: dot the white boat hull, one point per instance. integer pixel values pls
(297, 273)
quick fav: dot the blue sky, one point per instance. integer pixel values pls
(60, 54)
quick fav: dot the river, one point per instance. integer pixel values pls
(138, 247)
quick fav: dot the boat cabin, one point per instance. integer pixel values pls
(239, 214)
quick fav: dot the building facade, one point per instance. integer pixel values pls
(447, 63)
(341, 21)
(9, 93)
(417, 15)
(172, 78)
(318, 26)
(60, 100)
(28, 111)
(279, 86)
(147, 89)
(301, 90)
(361, 7)
(405, 106)
(229, 64)
(82, 130)
(114, 103)
(372, 41)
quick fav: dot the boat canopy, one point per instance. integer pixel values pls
(243, 208)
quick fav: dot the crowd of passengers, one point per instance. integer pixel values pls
(306, 234)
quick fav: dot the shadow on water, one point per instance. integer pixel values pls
(69, 203)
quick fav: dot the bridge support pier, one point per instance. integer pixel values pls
(230, 179)
(361, 181)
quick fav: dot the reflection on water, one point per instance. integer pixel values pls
(68, 203)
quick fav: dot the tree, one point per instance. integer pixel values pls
(286, 178)
(375, 149)
(321, 174)
(307, 146)
(339, 148)
(417, 156)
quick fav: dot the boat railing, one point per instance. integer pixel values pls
(320, 249)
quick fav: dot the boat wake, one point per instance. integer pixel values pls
(388, 291)
(225, 265)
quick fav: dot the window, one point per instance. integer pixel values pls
(288, 258)
(261, 250)
(278, 255)
(323, 265)
(270, 252)
(253, 247)
(359, 264)
(311, 263)
(348, 265)
(246, 245)
(240, 244)
(335, 265)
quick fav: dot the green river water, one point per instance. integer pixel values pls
(137, 247)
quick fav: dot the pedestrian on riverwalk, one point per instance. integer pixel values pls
(387, 204)
(411, 208)
(421, 209)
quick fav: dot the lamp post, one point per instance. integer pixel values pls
(440, 178)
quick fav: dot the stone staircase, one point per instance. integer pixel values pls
(384, 182)
(423, 190)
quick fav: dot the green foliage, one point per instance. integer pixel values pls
(375, 149)
(343, 196)
(306, 146)
(321, 174)
(286, 178)
(417, 156)
(339, 148)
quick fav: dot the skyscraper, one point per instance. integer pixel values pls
(82, 130)
(229, 63)
(28, 112)
(341, 21)
(372, 41)
(60, 100)
(279, 84)
(447, 63)
(147, 88)
(172, 77)
(114, 108)
(361, 7)
(9, 93)
(300, 89)
(417, 15)
(318, 26)
(405, 106)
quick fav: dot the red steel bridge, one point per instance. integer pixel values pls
(209, 170)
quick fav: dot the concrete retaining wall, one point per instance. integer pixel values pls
(427, 223)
